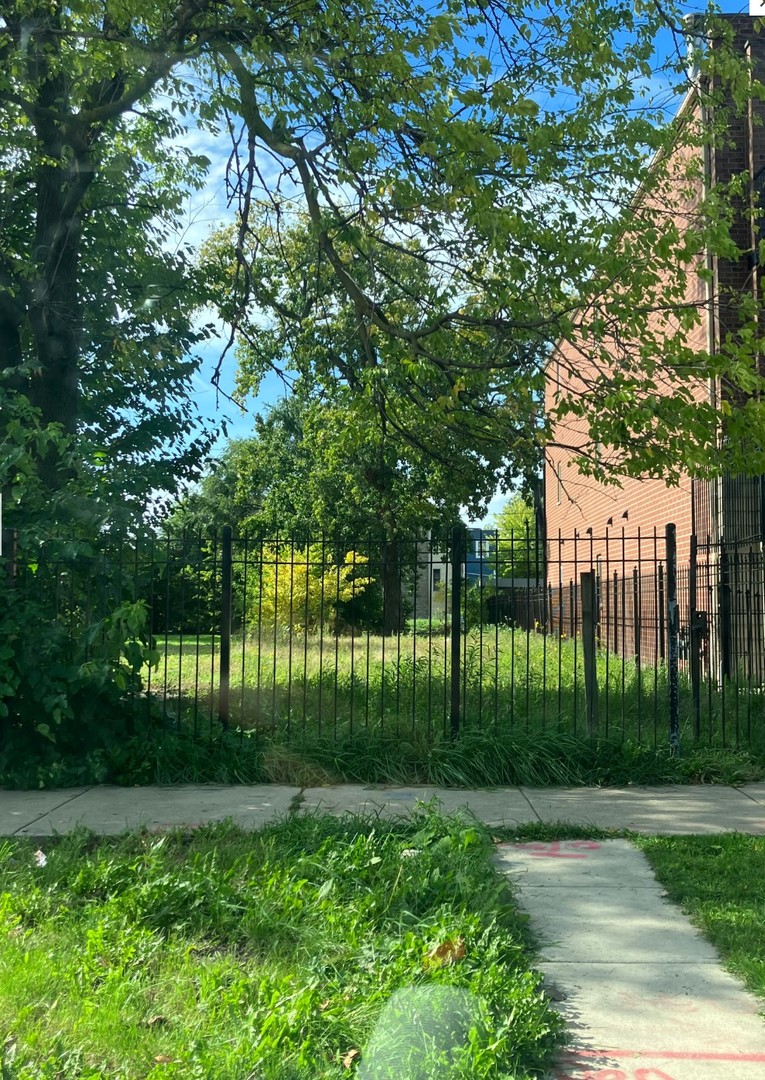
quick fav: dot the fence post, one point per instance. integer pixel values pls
(695, 637)
(456, 568)
(226, 604)
(662, 614)
(673, 630)
(589, 620)
(725, 613)
(637, 619)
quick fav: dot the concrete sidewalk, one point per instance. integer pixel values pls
(672, 809)
(642, 992)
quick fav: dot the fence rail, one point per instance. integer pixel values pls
(598, 635)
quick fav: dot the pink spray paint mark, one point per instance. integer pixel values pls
(555, 849)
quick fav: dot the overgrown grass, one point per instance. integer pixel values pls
(475, 759)
(720, 882)
(366, 710)
(511, 680)
(278, 954)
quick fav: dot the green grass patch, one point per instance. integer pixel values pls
(320, 684)
(719, 881)
(271, 955)
(475, 759)
(313, 709)
(547, 831)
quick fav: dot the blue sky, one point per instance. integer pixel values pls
(208, 209)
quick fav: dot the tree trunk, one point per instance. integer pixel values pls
(393, 608)
(10, 343)
(63, 176)
(54, 389)
(55, 315)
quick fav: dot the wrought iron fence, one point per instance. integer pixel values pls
(598, 635)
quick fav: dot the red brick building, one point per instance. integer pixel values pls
(618, 531)
(726, 508)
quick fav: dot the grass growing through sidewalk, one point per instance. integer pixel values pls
(720, 882)
(268, 955)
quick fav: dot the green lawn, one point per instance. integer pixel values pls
(269, 955)
(511, 681)
(720, 882)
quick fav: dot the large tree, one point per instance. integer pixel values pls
(508, 139)
(378, 445)
(310, 473)
(400, 417)
(98, 322)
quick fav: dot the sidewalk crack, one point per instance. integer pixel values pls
(531, 805)
(747, 795)
(51, 810)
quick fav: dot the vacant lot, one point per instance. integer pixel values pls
(509, 680)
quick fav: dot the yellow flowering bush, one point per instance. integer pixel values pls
(301, 588)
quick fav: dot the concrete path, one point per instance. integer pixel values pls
(692, 809)
(643, 994)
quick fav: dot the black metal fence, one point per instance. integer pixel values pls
(599, 635)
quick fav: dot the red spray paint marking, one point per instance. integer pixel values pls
(619, 1074)
(668, 1055)
(648, 1073)
(554, 850)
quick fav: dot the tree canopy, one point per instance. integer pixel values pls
(307, 470)
(443, 190)
(517, 551)
(499, 146)
(400, 423)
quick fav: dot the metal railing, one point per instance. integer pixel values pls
(605, 636)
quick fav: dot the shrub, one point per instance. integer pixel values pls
(301, 589)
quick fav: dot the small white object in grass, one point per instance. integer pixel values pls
(408, 852)
(41, 858)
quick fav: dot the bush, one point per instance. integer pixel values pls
(74, 635)
(301, 589)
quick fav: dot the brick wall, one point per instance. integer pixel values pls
(574, 502)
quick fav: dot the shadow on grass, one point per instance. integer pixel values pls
(636, 712)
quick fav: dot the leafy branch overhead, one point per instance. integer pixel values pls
(382, 400)
(491, 151)
(469, 185)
